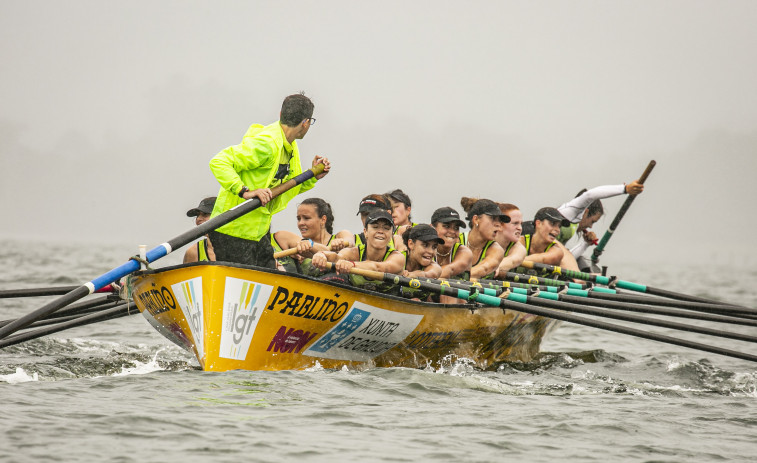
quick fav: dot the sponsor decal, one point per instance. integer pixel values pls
(363, 333)
(243, 303)
(157, 301)
(189, 297)
(298, 304)
(289, 340)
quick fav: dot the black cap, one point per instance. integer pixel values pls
(485, 206)
(400, 196)
(447, 215)
(379, 214)
(369, 204)
(205, 207)
(552, 214)
(424, 233)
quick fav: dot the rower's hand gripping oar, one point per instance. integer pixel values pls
(156, 253)
(619, 216)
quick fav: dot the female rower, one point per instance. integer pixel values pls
(585, 210)
(315, 221)
(369, 204)
(485, 220)
(376, 254)
(454, 258)
(203, 250)
(509, 239)
(422, 242)
(541, 245)
(401, 207)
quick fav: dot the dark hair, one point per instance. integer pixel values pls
(595, 207)
(467, 203)
(322, 208)
(295, 109)
(400, 197)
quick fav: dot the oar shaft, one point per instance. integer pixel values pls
(52, 291)
(579, 320)
(110, 314)
(561, 304)
(519, 303)
(619, 216)
(154, 254)
(687, 305)
(641, 308)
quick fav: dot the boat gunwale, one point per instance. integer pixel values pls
(471, 306)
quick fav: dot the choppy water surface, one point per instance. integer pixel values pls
(117, 391)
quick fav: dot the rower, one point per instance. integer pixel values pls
(454, 257)
(401, 208)
(509, 239)
(376, 254)
(585, 210)
(486, 221)
(315, 221)
(541, 244)
(422, 242)
(202, 251)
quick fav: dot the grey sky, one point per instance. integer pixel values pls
(111, 111)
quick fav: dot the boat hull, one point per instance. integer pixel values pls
(238, 317)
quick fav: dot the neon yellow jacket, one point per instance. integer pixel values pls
(253, 163)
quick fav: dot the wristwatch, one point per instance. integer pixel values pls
(243, 191)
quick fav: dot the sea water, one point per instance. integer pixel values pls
(117, 391)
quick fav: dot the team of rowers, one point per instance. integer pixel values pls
(495, 241)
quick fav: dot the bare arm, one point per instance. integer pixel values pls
(461, 264)
(433, 270)
(517, 255)
(552, 257)
(494, 256)
(395, 263)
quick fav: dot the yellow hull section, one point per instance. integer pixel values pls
(239, 318)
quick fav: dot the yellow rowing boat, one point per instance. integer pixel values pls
(235, 317)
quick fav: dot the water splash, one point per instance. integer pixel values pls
(20, 376)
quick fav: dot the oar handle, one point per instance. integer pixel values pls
(619, 216)
(285, 253)
(372, 274)
(647, 171)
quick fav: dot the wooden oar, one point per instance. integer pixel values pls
(616, 283)
(154, 254)
(619, 216)
(122, 310)
(519, 302)
(53, 291)
(285, 253)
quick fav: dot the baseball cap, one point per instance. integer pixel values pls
(552, 214)
(369, 204)
(424, 233)
(447, 215)
(377, 215)
(485, 206)
(205, 207)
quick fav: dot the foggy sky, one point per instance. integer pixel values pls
(111, 111)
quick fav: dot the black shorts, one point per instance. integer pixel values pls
(241, 251)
